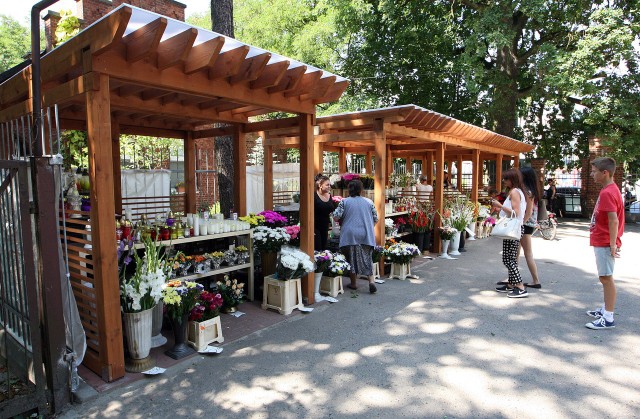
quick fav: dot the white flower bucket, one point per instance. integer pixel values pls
(137, 326)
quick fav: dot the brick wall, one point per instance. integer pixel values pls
(51, 20)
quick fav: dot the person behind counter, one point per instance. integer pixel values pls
(323, 206)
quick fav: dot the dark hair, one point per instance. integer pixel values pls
(355, 187)
(319, 179)
(514, 176)
(530, 182)
(605, 163)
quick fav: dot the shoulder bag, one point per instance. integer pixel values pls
(507, 228)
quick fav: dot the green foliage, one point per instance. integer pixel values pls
(15, 42)
(68, 27)
(140, 152)
(74, 149)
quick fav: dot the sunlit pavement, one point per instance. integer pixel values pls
(444, 345)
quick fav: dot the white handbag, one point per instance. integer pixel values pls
(507, 228)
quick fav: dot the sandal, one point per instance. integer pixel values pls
(505, 282)
(372, 289)
(352, 287)
(533, 285)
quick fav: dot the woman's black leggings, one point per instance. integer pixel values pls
(510, 260)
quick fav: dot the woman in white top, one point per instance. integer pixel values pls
(423, 189)
(515, 204)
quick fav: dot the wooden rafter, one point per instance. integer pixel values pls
(228, 63)
(203, 55)
(144, 42)
(175, 50)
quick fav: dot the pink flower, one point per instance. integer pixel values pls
(336, 199)
(293, 231)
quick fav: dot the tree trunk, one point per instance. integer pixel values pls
(505, 101)
(222, 22)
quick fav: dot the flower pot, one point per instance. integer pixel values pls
(201, 334)
(284, 296)
(401, 271)
(179, 328)
(157, 339)
(462, 241)
(331, 285)
(137, 327)
(418, 238)
(269, 261)
(445, 247)
(453, 245)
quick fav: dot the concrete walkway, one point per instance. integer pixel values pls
(444, 345)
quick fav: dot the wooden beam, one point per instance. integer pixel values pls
(116, 160)
(271, 75)
(320, 88)
(268, 175)
(144, 41)
(380, 179)
(240, 170)
(251, 68)
(175, 79)
(105, 264)
(213, 132)
(367, 162)
(334, 93)
(203, 55)
(413, 147)
(342, 160)
(190, 178)
(306, 198)
(499, 172)
(305, 85)
(318, 158)
(289, 81)
(459, 172)
(176, 49)
(69, 90)
(475, 175)
(228, 63)
(151, 131)
(430, 167)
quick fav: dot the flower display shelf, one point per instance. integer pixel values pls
(401, 271)
(376, 271)
(201, 334)
(248, 237)
(397, 214)
(282, 295)
(331, 285)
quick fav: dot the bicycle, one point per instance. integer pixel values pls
(548, 227)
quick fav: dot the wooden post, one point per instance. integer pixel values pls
(105, 263)
(268, 174)
(367, 163)
(459, 173)
(318, 158)
(379, 179)
(389, 164)
(499, 172)
(480, 173)
(306, 198)
(117, 172)
(475, 174)
(240, 170)
(342, 160)
(438, 195)
(424, 165)
(407, 164)
(430, 167)
(516, 161)
(190, 178)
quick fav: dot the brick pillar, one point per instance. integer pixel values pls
(51, 20)
(538, 166)
(590, 190)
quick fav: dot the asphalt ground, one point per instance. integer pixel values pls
(445, 345)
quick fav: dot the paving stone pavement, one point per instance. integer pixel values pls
(443, 345)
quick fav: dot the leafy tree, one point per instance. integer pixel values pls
(15, 42)
(68, 26)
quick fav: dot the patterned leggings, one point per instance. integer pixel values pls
(509, 259)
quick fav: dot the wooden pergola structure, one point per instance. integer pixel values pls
(137, 72)
(407, 131)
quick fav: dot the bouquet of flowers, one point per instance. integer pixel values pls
(232, 293)
(401, 180)
(143, 290)
(489, 221)
(402, 252)
(293, 263)
(367, 182)
(388, 226)
(216, 258)
(322, 259)
(420, 221)
(180, 298)
(483, 212)
(336, 181)
(338, 266)
(273, 219)
(243, 254)
(461, 212)
(207, 307)
(378, 251)
(267, 239)
(348, 177)
(294, 233)
(447, 232)
(253, 220)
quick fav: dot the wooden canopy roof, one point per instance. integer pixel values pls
(166, 74)
(408, 128)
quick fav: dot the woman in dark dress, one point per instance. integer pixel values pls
(323, 207)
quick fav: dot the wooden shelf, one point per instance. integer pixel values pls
(394, 214)
(200, 238)
(398, 235)
(213, 272)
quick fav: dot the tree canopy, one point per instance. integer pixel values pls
(15, 42)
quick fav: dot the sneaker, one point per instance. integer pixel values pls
(597, 313)
(518, 293)
(503, 288)
(601, 323)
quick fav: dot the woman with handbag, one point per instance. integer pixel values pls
(532, 192)
(514, 207)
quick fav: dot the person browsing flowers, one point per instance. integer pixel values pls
(357, 216)
(323, 206)
(515, 205)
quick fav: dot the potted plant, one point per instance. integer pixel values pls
(204, 321)
(283, 291)
(269, 241)
(446, 233)
(181, 187)
(273, 219)
(139, 293)
(180, 298)
(420, 223)
(243, 254)
(331, 282)
(400, 255)
(322, 260)
(232, 293)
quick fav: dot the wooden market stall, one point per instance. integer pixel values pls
(137, 72)
(403, 131)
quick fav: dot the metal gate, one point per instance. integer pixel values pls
(32, 366)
